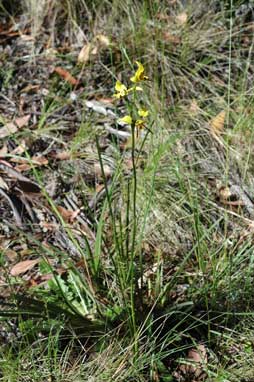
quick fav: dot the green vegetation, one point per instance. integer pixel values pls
(141, 229)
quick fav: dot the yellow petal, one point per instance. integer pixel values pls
(117, 95)
(143, 113)
(126, 119)
(120, 87)
(139, 75)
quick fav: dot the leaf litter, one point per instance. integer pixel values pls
(12, 127)
(23, 201)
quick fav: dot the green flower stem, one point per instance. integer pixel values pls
(116, 241)
(134, 229)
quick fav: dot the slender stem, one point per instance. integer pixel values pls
(116, 240)
(127, 222)
(134, 228)
(134, 201)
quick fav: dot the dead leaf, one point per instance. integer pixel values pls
(163, 16)
(61, 155)
(3, 184)
(23, 266)
(107, 170)
(234, 203)
(182, 18)
(66, 75)
(194, 108)
(90, 49)
(224, 193)
(46, 226)
(24, 165)
(26, 37)
(11, 255)
(22, 121)
(102, 40)
(94, 51)
(198, 354)
(3, 151)
(12, 127)
(169, 37)
(29, 187)
(25, 183)
(84, 54)
(217, 124)
(99, 187)
(8, 32)
(148, 274)
(20, 149)
(30, 88)
(197, 360)
(68, 215)
(107, 101)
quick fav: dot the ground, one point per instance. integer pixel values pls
(126, 249)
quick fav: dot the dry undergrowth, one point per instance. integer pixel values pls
(195, 174)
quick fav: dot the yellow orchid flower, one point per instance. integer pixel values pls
(121, 90)
(126, 119)
(143, 113)
(140, 74)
